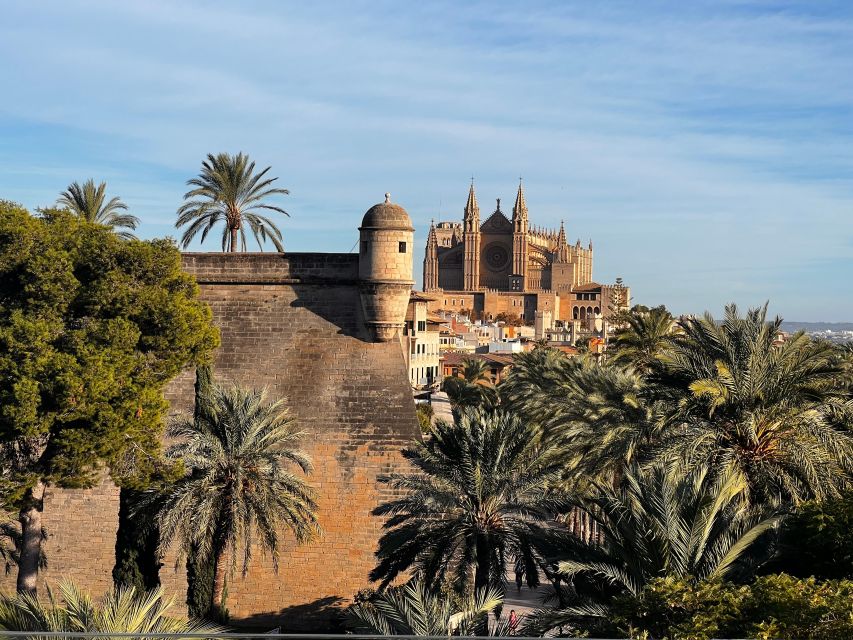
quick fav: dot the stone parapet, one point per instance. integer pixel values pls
(272, 268)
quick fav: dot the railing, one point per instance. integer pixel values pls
(231, 636)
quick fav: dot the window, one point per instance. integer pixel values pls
(421, 325)
(402, 247)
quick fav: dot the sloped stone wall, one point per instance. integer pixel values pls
(293, 324)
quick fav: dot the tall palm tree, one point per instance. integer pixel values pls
(484, 490)
(122, 610)
(413, 610)
(90, 203)
(653, 524)
(228, 191)
(765, 411)
(237, 488)
(642, 338)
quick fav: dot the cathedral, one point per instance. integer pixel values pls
(503, 265)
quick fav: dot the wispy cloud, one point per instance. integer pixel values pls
(705, 147)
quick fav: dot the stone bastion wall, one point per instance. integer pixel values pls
(292, 323)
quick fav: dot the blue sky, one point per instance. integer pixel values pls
(706, 148)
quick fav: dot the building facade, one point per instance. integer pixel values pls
(421, 345)
(504, 265)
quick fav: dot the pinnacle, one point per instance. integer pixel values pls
(520, 207)
(471, 207)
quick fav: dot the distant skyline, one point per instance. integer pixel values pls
(706, 148)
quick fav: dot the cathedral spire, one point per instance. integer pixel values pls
(472, 209)
(431, 260)
(432, 238)
(561, 238)
(519, 210)
(471, 242)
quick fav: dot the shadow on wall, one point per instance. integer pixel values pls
(340, 305)
(324, 615)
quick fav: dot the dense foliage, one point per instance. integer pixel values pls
(777, 607)
(652, 524)
(482, 494)
(121, 610)
(137, 556)
(473, 387)
(413, 609)
(238, 490)
(696, 455)
(91, 330)
(817, 540)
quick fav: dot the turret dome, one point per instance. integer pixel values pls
(387, 215)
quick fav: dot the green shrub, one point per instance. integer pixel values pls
(817, 540)
(425, 413)
(777, 607)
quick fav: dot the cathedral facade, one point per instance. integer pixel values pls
(505, 265)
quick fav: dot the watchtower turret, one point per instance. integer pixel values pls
(385, 268)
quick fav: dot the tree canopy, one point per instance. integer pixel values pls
(92, 328)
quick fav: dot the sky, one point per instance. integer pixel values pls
(706, 148)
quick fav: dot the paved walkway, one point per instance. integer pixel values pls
(441, 407)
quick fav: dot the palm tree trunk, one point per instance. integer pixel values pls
(234, 239)
(31, 538)
(220, 569)
(481, 576)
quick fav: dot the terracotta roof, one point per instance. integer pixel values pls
(571, 351)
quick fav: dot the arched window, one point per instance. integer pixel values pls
(597, 311)
(583, 313)
(575, 313)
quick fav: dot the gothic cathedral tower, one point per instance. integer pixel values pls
(519, 241)
(471, 238)
(431, 261)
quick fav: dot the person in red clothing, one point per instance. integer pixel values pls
(512, 622)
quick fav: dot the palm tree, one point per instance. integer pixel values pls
(534, 378)
(642, 338)
(236, 488)
(600, 414)
(476, 371)
(766, 412)
(473, 388)
(228, 191)
(88, 202)
(121, 610)
(484, 491)
(654, 525)
(413, 610)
